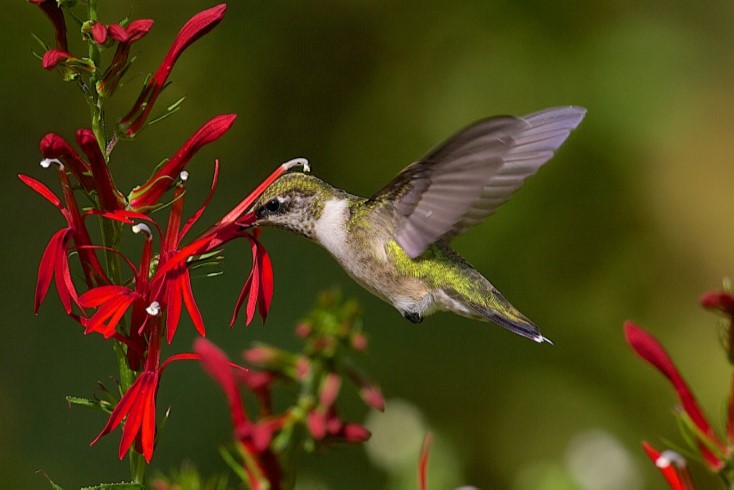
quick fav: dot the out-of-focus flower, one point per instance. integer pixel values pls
(423, 462)
(196, 27)
(647, 347)
(672, 466)
(260, 464)
(719, 301)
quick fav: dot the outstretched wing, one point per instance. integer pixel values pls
(466, 178)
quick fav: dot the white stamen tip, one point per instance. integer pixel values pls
(142, 228)
(184, 176)
(46, 162)
(303, 162)
(154, 309)
(669, 457)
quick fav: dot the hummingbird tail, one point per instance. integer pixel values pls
(520, 325)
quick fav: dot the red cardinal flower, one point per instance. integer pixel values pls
(647, 347)
(93, 176)
(53, 146)
(196, 27)
(55, 261)
(137, 405)
(109, 197)
(258, 287)
(146, 196)
(111, 302)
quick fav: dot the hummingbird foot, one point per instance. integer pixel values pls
(413, 317)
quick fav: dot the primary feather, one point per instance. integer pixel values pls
(466, 178)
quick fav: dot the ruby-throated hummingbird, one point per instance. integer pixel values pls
(396, 243)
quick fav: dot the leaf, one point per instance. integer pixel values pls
(50, 481)
(86, 402)
(116, 486)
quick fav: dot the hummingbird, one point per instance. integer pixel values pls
(395, 243)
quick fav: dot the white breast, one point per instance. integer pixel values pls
(331, 228)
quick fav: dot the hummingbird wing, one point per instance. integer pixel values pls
(467, 177)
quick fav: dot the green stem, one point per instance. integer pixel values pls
(95, 101)
(111, 234)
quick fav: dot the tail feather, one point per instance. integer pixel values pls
(488, 304)
(521, 325)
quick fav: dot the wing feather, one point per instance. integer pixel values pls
(466, 178)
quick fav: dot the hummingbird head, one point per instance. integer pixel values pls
(293, 202)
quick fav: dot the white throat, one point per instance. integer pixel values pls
(331, 228)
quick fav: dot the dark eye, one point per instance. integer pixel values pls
(273, 205)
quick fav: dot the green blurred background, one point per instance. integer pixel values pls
(631, 220)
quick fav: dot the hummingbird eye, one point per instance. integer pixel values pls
(273, 205)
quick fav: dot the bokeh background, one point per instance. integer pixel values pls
(631, 220)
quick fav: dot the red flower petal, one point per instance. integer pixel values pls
(354, 433)
(669, 470)
(56, 16)
(138, 29)
(109, 197)
(329, 389)
(423, 462)
(62, 274)
(54, 146)
(191, 307)
(128, 400)
(100, 295)
(199, 25)
(647, 347)
(265, 296)
(217, 364)
(53, 57)
(195, 217)
(196, 27)
(112, 302)
(316, 422)
(149, 193)
(117, 32)
(44, 191)
(48, 265)
(716, 300)
(99, 33)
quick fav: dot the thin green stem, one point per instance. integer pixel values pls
(111, 231)
(94, 99)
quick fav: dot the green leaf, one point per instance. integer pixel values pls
(50, 481)
(116, 486)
